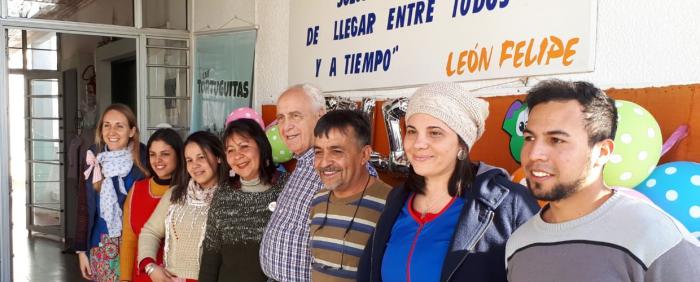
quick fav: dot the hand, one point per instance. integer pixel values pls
(85, 266)
(160, 274)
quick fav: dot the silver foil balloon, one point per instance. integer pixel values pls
(376, 159)
(379, 162)
(339, 103)
(368, 106)
(393, 111)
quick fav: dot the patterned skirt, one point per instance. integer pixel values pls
(104, 259)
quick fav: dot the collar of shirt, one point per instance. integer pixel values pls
(306, 156)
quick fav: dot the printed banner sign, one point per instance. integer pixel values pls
(364, 44)
(223, 77)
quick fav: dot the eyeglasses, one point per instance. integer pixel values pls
(347, 229)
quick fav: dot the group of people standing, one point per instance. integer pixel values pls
(218, 209)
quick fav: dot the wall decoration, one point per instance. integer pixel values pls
(348, 45)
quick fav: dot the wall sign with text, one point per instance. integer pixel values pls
(363, 44)
(223, 77)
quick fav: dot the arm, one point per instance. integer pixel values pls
(154, 230)
(127, 248)
(211, 246)
(81, 230)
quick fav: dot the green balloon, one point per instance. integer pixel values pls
(280, 152)
(637, 146)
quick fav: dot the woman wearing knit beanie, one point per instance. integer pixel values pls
(451, 218)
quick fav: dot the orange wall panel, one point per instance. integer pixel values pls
(672, 106)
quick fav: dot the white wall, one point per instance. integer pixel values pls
(222, 14)
(639, 44)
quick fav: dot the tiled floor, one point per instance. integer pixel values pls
(41, 259)
(38, 258)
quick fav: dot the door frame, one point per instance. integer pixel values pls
(137, 32)
(30, 75)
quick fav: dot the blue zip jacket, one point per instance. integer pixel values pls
(493, 208)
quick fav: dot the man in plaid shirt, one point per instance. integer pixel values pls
(284, 251)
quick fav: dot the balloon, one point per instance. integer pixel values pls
(637, 146)
(280, 152)
(339, 103)
(393, 111)
(376, 159)
(518, 176)
(244, 112)
(514, 124)
(368, 106)
(675, 188)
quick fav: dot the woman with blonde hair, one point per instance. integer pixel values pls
(114, 163)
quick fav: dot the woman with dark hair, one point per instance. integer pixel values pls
(451, 219)
(179, 219)
(166, 164)
(114, 163)
(239, 213)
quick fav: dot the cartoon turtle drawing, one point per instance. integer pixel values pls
(514, 124)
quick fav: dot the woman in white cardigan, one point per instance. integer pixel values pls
(179, 220)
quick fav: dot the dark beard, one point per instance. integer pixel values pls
(559, 192)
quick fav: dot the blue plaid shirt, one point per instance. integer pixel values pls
(284, 250)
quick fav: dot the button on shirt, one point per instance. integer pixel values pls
(284, 250)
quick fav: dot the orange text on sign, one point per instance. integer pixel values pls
(519, 54)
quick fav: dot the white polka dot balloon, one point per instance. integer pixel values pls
(637, 146)
(280, 152)
(675, 187)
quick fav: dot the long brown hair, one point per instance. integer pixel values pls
(208, 143)
(135, 143)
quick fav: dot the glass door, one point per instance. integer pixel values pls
(44, 138)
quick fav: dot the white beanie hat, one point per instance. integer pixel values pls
(453, 105)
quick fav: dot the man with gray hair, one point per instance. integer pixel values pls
(284, 251)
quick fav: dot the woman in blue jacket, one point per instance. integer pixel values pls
(451, 218)
(114, 163)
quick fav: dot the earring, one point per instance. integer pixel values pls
(462, 154)
(231, 173)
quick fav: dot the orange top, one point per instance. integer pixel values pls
(129, 244)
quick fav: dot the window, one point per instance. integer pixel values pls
(168, 94)
(165, 14)
(114, 12)
(32, 50)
